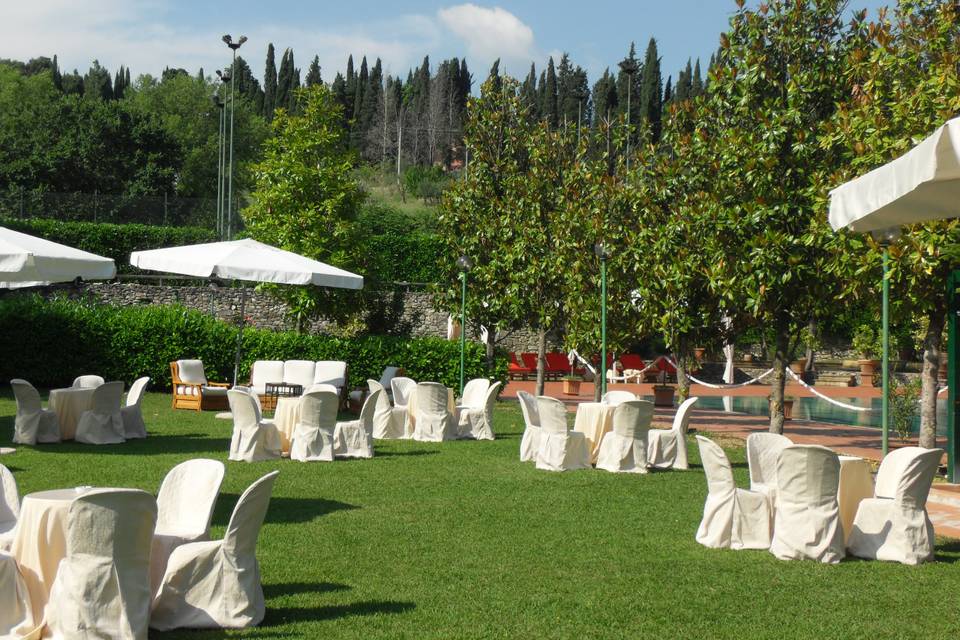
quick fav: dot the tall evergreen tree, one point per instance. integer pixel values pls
(466, 85)
(626, 88)
(247, 85)
(528, 94)
(696, 83)
(351, 89)
(494, 76)
(55, 72)
(285, 81)
(96, 83)
(313, 72)
(605, 97)
(269, 84)
(548, 107)
(339, 90)
(119, 88)
(360, 86)
(668, 91)
(683, 87)
(651, 88)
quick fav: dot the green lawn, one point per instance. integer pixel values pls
(461, 540)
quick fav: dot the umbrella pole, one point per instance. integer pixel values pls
(243, 321)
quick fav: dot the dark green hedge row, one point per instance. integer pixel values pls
(115, 241)
(404, 258)
(51, 342)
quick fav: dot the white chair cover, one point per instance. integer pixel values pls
(807, 521)
(477, 421)
(102, 588)
(732, 518)
(624, 448)
(530, 443)
(616, 397)
(434, 423)
(763, 452)
(354, 439)
(216, 584)
(103, 424)
(9, 507)
(253, 438)
(313, 435)
(387, 421)
(474, 393)
(560, 448)
(329, 372)
(16, 612)
(133, 425)
(389, 373)
(667, 449)
(87, 382)
(894, 524)
(33, 423)
(185, 505)
(402, 389)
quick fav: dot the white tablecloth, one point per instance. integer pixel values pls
(69, 404)
(593, 420)
(285, 416)
(856, 483)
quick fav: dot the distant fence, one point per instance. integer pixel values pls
(160, 209)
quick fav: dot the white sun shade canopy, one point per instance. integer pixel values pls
(27, 260)
(245, 260)
(922, 184)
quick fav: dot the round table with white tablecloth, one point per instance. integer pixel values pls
(285, 416)
(856, 484)
(69, 404)
(593, 420)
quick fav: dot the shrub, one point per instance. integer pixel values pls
(51, 342)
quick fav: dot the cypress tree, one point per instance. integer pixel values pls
(668, 91)
(371, 101)
(696, 84)
(269, 84)
(528, 93)
(541, 94)
(466, 84)
(351, 89)
(118, 86)
(313, 72)
(285, 81)
(96, 84)
(360, 86)
(651, 87)
(565, 99)
(55, 72)
(339, 90)
(628, 86)
(682, 90)
(548, 108)
(494, 75)
(247, 85)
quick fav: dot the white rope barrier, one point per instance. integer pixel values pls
(828, 398)
(711, 385)
(574, 355)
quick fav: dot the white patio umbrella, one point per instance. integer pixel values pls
(246, 260)
(26, 260)
(922, 184)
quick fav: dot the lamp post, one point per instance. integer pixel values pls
(885, 238)
(603, 253)
(465, 263)
(221, 109)
(233, 81)
(629, 66)
(580, 96)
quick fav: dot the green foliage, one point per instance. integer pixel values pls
(904, 399)
(115, 241)
(426, 183)
(868, 341)
(51, 342)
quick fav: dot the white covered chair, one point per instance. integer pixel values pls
(216, 584)
(530, 442)
(87, 382)
(103, 423)
(132, 415)
(387, 422)
(253, 439)
(434, 422)
(474, 393)
(16, 611)
(807, 520)
(354, 438)
(894, 525)
(667, 448)
(9, 507)
(185, 505)
(763, 453)
(33, 423)
(102, 586)
(389, 373)
(402, 389)
(560, 448)
(624, 448)
(263, 372)
(313, 434)
(732, 518)
(617, 396)
(477, 421)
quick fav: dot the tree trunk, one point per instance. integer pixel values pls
(541, 359)
(780, 362)
(598, 379)
(811, 365)
(683, 381)
(928, 377)
(491, 343)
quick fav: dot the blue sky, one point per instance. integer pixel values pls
(146, 35)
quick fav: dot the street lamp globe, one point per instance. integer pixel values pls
(465, 263)
(886, 237)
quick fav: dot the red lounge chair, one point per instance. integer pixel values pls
(557, 364)
(632, 361)
(516, 369)
(529, 361)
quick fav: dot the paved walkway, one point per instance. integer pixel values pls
(943, 504)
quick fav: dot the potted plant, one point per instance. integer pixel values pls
(904, 399)
(787, 406)
(571, 385)
(747, 357)
(865, 341)
(663, 392)
(699, 353)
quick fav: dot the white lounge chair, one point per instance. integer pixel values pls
(131, 413)
(560, 448)
(312, 439)
(33, 423)
(624, 448)
(667, 448)
(103, 422)
(530, 442)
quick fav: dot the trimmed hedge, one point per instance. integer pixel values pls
(115, 241)
(51, 342)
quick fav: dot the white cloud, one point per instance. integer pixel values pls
(490, 33)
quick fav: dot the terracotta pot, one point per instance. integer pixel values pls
(797, 366)
(698, 353)
(748, 357)
(571, 387)
(663, 396)
(867, 369)
(787, 409)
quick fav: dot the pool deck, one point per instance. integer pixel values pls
(943, 504)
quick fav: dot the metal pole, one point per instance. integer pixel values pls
(579, 119)
(952, 356)
(243, 320)
(603, 323)
(629, 90)
(233, 82)
(222, 112)
(463, 328)
(885, 374)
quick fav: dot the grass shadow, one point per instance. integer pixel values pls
(282, 510)
(294, 588)
(415, 452)
(953, 546)
(152, 445)
(284, 615)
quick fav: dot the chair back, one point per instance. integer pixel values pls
(402, 388)
(107, 397)
(137, 389)
(243, 406)
(528, 407)
(716, 466)
(475, 392)
(323, 386)
(632, 418)
(681, 421)
(389, 373)
(28, 398)
(187, 496)
(553, 415)
(906, 474)
(191, 372)
(369, 409)
(808, 475)
(491, 400)
(9, 497)
(318, 409)
(247, 518)
(530, 360)
(331, 372)
(614, 398)
(87, 382)
(432, 398)
(763, 452)
(264, 371)
(301, 372)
